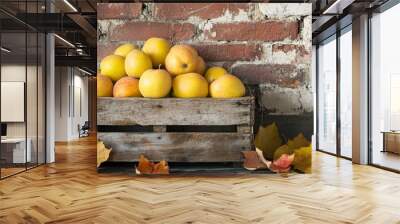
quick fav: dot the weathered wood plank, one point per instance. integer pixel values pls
(177, 147)
(245, 129)
(175, 111)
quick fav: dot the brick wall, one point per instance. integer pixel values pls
(267, 45)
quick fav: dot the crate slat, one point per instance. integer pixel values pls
(175, 111)
(177, 147)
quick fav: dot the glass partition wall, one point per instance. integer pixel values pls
(385, 89)
(334, 94)
(22, 77)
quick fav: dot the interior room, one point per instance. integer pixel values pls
(199, 112)
(22, 99)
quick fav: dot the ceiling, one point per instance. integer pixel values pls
(75, 22)
(332, 15)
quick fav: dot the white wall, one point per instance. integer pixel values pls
(15, 72)
(33, 127)
(61, 103)
(70, 83)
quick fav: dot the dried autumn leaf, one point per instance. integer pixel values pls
(261, 157)
(103, 153)
(161, 168)
(291, 146)
(268, 140)
(252, 161)
(298, 141)
(282, 165)
(303, 159)
(144, 166)
(283, 149)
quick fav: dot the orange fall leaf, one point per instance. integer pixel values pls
(145, 166)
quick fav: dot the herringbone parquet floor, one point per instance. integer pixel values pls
(71, 191)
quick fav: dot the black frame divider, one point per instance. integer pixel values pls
(338, 98)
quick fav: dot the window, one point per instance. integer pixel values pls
(346, 93)
(334, 97)
(385, 89)
(327, 95)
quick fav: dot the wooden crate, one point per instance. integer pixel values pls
(176, 129)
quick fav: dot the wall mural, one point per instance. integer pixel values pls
(205, 84)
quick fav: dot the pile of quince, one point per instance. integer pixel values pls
(158, 68)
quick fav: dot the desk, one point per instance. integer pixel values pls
(13, 150)
(391, 141)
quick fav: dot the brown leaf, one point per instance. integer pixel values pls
(161, 168)
(144, 166)
(252, 161)
(103, 153)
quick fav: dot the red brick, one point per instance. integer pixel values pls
(302, 55)
(255, 31)
(104, 49)
(201, 10)
(283, 75)
(132, 30)
(119, 10)
(229, 52)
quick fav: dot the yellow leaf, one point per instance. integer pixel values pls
(268, 140)
(283, 149)
(102, 153)
(291, 146)
(303, 159)
(298, 141)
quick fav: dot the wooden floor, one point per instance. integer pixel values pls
(71, 191)
(387, 159)
(5, 172)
